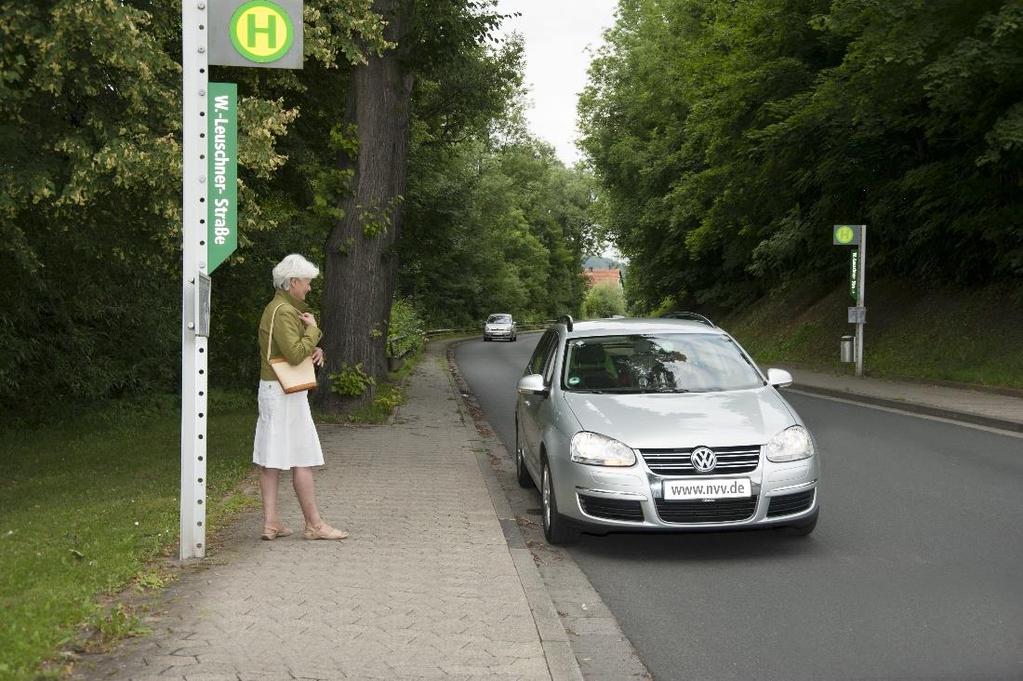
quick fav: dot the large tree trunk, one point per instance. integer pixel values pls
(361, 253)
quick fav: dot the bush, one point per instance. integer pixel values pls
(351, 381)
(604, 300)
(406, 329)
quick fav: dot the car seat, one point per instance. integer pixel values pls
(591, 366)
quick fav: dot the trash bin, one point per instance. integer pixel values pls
(847, 349)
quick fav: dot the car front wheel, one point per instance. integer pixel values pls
(557, 529)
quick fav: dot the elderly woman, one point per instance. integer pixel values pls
(286, 438)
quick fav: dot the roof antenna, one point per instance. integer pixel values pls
(567, 318)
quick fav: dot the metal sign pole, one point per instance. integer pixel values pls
(861, 298)
(194, 377)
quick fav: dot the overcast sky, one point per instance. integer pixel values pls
(559, 35)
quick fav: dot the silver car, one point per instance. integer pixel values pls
(660, 424)
(500, 326)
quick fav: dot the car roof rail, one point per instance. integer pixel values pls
(567, 320)
(692, 316)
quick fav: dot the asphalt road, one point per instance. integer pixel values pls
(915, 570)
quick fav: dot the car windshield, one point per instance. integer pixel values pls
(668, 363)
(499, 319)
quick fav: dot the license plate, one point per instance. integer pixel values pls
(707, 488)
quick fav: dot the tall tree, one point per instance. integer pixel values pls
(436, 41)
(361, 261)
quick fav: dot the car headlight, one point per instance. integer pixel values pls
(791, 444)
(599, 450)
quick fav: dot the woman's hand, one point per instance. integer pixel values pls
(308, 319)
(317, 356)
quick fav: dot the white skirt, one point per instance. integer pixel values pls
(285, 434)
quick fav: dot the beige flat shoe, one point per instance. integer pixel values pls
(270, 533)
(324, 531)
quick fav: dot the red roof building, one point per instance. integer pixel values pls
(603, 276)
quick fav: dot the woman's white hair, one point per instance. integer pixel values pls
(293, 266)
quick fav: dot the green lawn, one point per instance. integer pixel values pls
(86, 501)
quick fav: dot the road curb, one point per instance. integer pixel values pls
(554, 640)
(912, 407)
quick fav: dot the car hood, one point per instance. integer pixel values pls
(661, 421)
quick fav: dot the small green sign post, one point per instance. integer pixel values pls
(222, 188)
(855, 235)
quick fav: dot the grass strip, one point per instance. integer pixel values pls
(86, 502)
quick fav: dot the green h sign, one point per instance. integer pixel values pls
(261, 31)
(846, 235)
(256, 33)
(222, 185)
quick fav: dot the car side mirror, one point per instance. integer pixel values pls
(779, 378)
(532, 385)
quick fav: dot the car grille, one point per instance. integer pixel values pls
(715, 511)
(740, 459)
(790, 503)
(612, 509)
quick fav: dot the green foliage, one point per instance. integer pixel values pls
(495, 228)
(604, 300)
(729, 136)
(406, 329)
(351, 381)
(376, 219)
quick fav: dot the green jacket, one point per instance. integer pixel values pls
(292, 339)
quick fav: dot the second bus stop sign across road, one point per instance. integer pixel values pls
(846, 235)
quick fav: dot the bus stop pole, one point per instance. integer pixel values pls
(194, 377)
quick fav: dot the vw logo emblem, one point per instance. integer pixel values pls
(704, 459)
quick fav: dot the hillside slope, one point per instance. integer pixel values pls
(971, 336)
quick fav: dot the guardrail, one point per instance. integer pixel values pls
(396, 357)
(393, 341)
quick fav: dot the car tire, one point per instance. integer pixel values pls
(521, 472)
(514, 338)
(557, 529)
(486, 339)
(804, 528)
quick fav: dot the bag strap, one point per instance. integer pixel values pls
(270, 337)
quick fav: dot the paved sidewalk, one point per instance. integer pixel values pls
(425, 587)
(973, 406)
